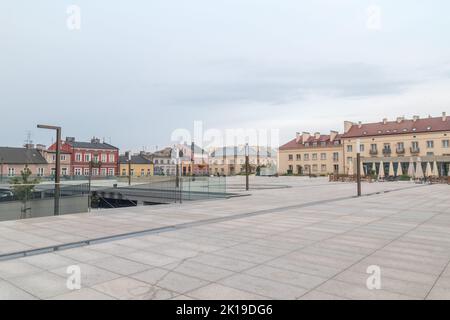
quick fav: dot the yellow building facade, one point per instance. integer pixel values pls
(140, 166)
(391, 144)
(312, 154)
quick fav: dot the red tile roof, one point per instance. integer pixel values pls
(293, 144)
(393, 127)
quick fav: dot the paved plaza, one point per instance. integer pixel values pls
(289, 238)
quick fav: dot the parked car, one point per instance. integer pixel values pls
(6, 195)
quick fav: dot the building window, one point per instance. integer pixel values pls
(53, 172)
(64, 171)
(314, 156)
(87, 157)
(400, 146)
(142, 172)
(95, 171)
(430, 144)
(110, 171)
(323, 144)
(373, 147)
(124, 172)
(306, 157)
(78, 157)
(103, 171)
(335, 156)
(63, 157)
(314, 144)
(298, 157)
(445, 143)
(415, 145)
(349, 148)
(361, 148)
(54, 157)
(349, 160)
(78, 171)
(132, 172)
(86, 171)
(290, 157)
(290, 168)
(112, 157)
(40, 172)
(104, 157)
(323, 156)
(11, 172)
(314, 168)
(323, 168)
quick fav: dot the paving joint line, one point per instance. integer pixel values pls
(83, 243)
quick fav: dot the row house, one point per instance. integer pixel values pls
(164, 161)
(135, 166)
(391, 143)
(417, 140)
(231, 160)
(194, 159)
(103, 157)
(14, 160)
(312, 154)
(50, 157)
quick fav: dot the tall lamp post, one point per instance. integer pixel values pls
(128, 156)
(1, 169)
(57, 165)
(247, 154)
(358, 166)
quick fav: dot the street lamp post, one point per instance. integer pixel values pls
(247, 154)
(128, 156)
(57, 165)
(1, 169)
(358, 166)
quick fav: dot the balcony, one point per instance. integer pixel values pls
(414, 150)
(400, 150)
(373, 152)
(387, 152)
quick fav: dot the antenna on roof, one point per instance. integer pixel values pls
(28, 139)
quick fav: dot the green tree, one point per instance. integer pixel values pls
(23, 188)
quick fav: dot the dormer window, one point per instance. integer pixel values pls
(428, 128)
(404, 130)
(414, 129)
(379, 131)
(365, 132)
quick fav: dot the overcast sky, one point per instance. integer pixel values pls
(137, 70)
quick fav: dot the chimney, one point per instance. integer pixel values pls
(444, 116)
(95, 140)
(333, 135)
(359, 124)
(415, 118)
(297, 137)
(400, 119)
(317, 135)
(305, 136)
(347, 126)
(385, 121)
(29, 146)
